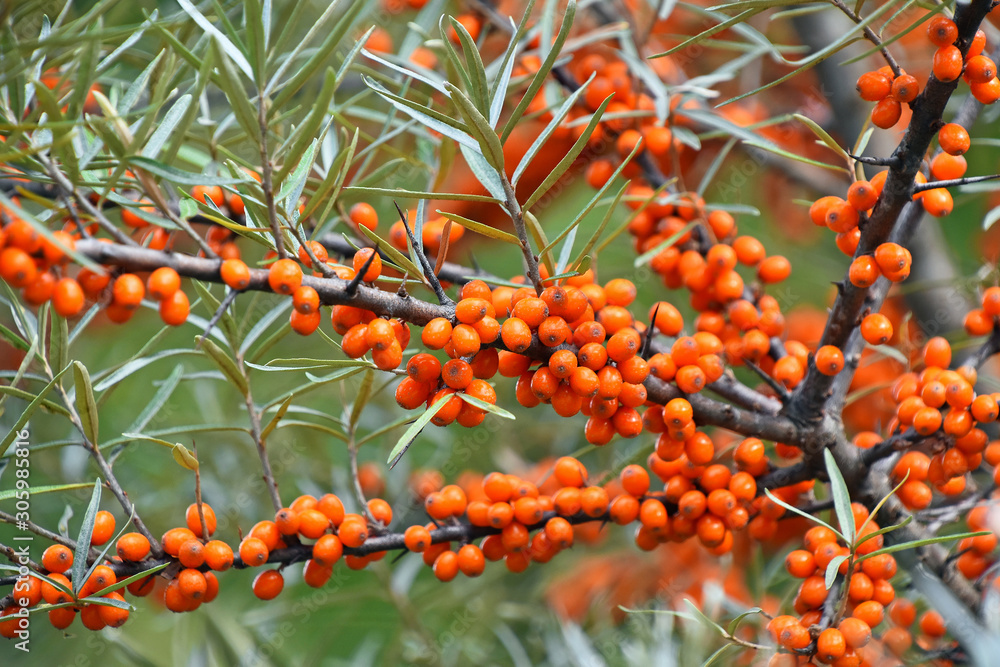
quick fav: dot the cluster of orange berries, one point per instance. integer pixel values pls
(57, 561)
(38, 266)
(866, 587)
(890, 92)
(939, 401)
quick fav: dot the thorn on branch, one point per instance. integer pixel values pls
(647, 340)
(352, 286)
(779, 389)
(425, 264)
(219, 312)
(892, 161)
(923, 187)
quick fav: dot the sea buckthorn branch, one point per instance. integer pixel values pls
(710, 412)
(61, 182)
(266, 182)
(513, 208)
(258, 439)
(330, 290)
(809, 398)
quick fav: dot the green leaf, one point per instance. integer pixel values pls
(28, 411)
(541, 76)
(739, 19)
(128, 580)
(224, 362)
(28, 396)
(874, 512)
(309, 364)
(166, 126)
(647, 256)
(133, 365)
(545, 134)
(570, 156)
(354, 190)
(480, 228)
(584, 253)
(483, 405)
(398, 258)
(263, 324)
(770, 148)
(319, 56)
(278, 416)
(735, 623)
(83, 538)
(159, 399)
(224, 43)
(915, 544)
(179, 176)
(307, 129)
(418, 425)
(479, 127)
(86, 406)
(722, 650)
(498, 92)
(700, 615)
(479, 89)
(832, 570)
(231, 84)
(841, 497)
(13, 338)
(796, 510)
(823, 135)
(483, 171)
(52, 488)
(361, 398)
(256, 38)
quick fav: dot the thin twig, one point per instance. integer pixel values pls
(266, 183)
(516, 215)
(934, 185)
(425, 263)
(870, 36)
(255, 433)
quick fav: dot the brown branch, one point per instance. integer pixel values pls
(809, 399)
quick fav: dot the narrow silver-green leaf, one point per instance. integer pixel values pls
(86, 406)
(83, 538)
(796, 510)
(481, 228)
(545, 134)
(488, 407)
(408, 436)
(841, 497)
(570, 156)
(166, 125)
(224, 43)
(224, 362)
(832, 570)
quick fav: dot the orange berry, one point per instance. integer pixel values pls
(284, 276)
(954, 139)
(362, 257)
(947, 63)
(886, 113)
(942, 31)
(268, 584)
(829, 360)
(873, 86)
(235, 273)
